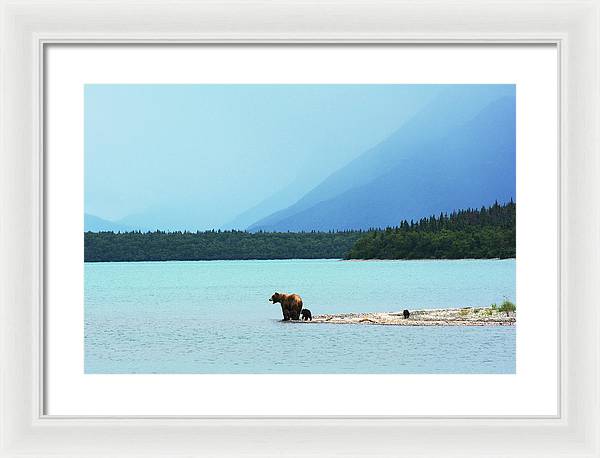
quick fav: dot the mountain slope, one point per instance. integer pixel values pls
(94, 223)
(281, 199)
(450, 110)
(453, 167)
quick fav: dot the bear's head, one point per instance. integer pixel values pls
(275, 298)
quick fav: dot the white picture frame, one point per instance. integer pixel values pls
(27, 27)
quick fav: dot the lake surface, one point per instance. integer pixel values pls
(214, 317)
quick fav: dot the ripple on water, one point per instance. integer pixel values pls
(189, 317)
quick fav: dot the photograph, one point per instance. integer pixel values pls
(291, 228)
(299, 228)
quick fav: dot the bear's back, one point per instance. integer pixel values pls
(293, 299)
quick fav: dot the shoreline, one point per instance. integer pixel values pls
(423, 259)
(466, 316)
(299, 259)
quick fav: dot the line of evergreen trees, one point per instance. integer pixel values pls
(213, 245)
(485, 233)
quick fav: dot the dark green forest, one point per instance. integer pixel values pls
(477, 234)
(484, 233)
(213, 245)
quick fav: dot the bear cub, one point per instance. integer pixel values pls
(306, 315)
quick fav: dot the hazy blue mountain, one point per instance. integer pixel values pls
(450, 110)
(96, 224)
(176, 216)
(272, 203)
(458, 152)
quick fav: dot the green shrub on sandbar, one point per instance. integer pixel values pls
(507, 306)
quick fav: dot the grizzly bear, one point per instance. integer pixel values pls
(291, 305)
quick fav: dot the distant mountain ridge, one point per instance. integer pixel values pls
(265, 207)
(458, 152)
(93, 223)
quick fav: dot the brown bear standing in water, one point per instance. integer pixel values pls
(291, 305)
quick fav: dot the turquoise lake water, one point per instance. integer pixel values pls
(214, 317)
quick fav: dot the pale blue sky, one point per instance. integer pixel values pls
(196, 156)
